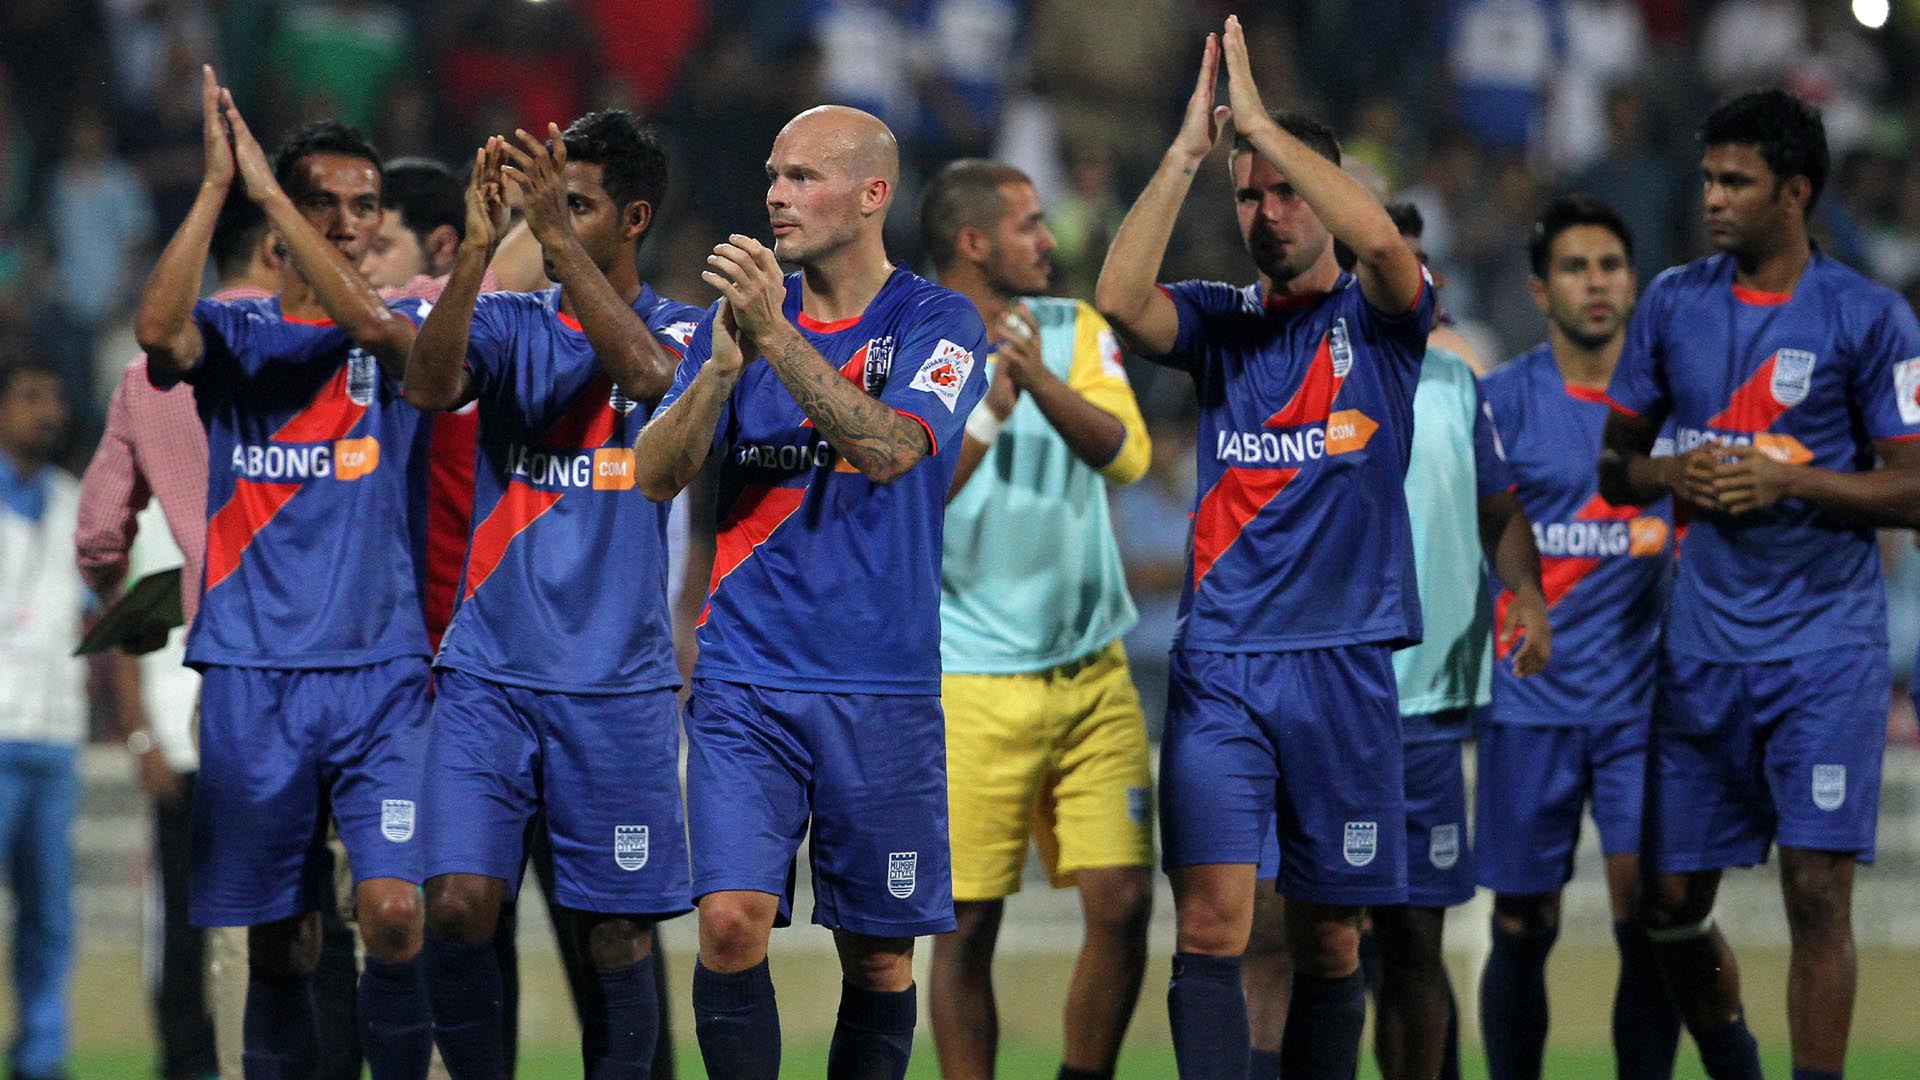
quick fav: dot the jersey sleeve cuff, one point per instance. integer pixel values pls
(933, 441)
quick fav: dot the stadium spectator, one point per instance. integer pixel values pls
(43, 707)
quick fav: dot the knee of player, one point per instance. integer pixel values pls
(285, 949)
(1325, 944)
(1527, 914)
(390, 926)
(1121, 905)
(733, 933)
(457, 914)
(879, 964)
(617, 941)
(1817, 905)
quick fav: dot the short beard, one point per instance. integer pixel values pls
(1585, 340)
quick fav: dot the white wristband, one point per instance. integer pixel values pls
(982, 425)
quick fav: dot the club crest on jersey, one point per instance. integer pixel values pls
(630, 846)
(396, 819)
(1829, 786)
(1792, 376)
(619, 402)
(902, 873)
(1443, 846)
(1341, 347)
(361, 375)
(1361, 843)
(681, 332)
(1906, 389)
(945, 373)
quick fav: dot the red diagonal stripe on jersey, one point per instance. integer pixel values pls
(232, 528)
(1224, 512)
(1752, 407)
(759, 511)
(330, 415)
(1314, 400)
(516, 510)
(855, 369)
(588, 422)
(1560, 573)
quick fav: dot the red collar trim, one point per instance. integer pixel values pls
(1291, 301)
(569, 321)
(1587, 393)
(284, 317)
(1760, 297)
(808, 322)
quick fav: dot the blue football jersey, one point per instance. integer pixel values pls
(315, 494)
(1604, 568)
(822, 579)
(1300, 531)
(566, 570)
(1813, 377)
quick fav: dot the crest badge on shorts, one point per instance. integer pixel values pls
(361, 376)
(1792, 376)
(396, 819)
(630, 846)
(902, 873)
(1443, 846)
(1361, 843)
(1829, 786)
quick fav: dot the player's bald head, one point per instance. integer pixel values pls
(855, 142)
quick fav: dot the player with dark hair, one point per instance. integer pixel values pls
(309, 630)
(1045, 737)
(422, 227)
(816, 694)
(1576, 734)
(556, 680)
(1784, 376)
(1302, 579)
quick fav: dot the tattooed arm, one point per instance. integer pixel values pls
(869, 434)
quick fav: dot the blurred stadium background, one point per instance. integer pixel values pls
(1476, 110)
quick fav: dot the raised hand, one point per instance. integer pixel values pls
(539, 176)
(748, 276)
(216, 144)
(256, 172)
(488, 215)
(729, 352)
(1201, 125)
(1243, 96)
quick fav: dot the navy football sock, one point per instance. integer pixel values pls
(280, 1038)
(1068, 1072)
(1264, 1065)
(1207, 1008)
(620, 1033)
(738, 1023)
(873, 1038)
(1324, 1021)
(396, 1029)
(1728, 1052)
(464, 989)
(1816, 1074)
(1646, 1025)
(1513, 1003)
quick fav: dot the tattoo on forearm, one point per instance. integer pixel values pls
(863, 429)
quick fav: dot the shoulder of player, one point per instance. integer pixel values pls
(1855, 295)
(931, 301)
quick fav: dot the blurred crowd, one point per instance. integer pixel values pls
(1475, 110)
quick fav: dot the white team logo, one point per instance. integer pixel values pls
(630, 846)
(619, 402)
(361, 376)
(1906, 389)
(879, 364)
(1341, 348)
(1443, 846)
(1792, 376)
(1829, 786)
(681, 332)
(396, 819)
(902, 872)
(945, 373)
(1362, 841)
